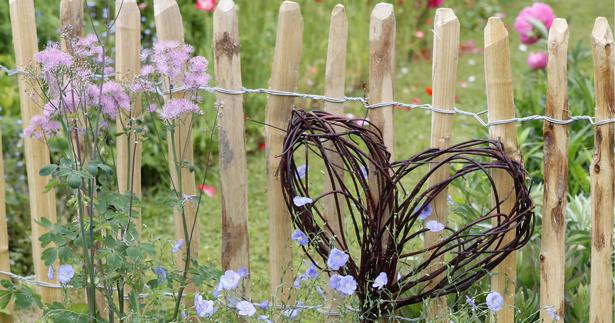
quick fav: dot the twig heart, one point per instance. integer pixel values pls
(343, 192)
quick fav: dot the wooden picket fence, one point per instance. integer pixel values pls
(284, 77)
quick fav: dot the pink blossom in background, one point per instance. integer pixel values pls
(419, 34)
(538, 60)
(206, 5)
(434, 3)
(538, 11)
(208, 190)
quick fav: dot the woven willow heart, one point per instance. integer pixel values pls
(381, 215)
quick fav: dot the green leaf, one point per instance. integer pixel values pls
(48, 170)
(134, 253)
(5, 298)
(65, 253)
(49, 256)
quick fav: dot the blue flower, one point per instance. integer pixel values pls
(337, 259)
(311, 272)
(345, 285)
(301, 171)
(161, 273)
(380, 281)
(65, 274)
(301, 200)
(434, 226)
(245, 308)
(425, 212)
(364, 172)
(450, 200)
(264, 318)
(495, 301)
(293, 313)
(230, 280)
(264, 305)
(298, 280)
(204, 308)
(471, 302)
(334, 281)
(243, 272)
(50, 272)
(552, 312)
(300, 237)
(178, 246)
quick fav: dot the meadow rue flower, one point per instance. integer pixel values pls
(152, 108)
(177, 108)
(42, 127)
(178, 246)
(434, 226)
(495, 301)
(552, 312)
(65, 274)
(52, 59)
(204, 308)
(50, 273)
(230, 280)
(337, 259)
(243, 272)
(425, 212)
(264, 305)
(301, 200)
(245, 308)
(170, 57)
(196, 73)
(302, 170)
(345, 285)
(537, 61)
(538, 13)
(89, 47)
(161, 273)
(112, 98)
(471, 302)
(380, 281)
(300, 237)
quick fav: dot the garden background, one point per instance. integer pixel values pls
(257, 19)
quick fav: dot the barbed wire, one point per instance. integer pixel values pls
(365, 102)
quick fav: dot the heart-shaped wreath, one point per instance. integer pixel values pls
(378, 219)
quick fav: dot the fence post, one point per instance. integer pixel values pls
(169, 27)
(5, 260)
(284, 75)
(444, 76)
(601, 289)
(553, 236)
(498, 79)
(233, 165)
(127, 66)
(71, 14)
(335, 75)
(42, 203)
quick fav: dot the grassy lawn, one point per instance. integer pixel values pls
(411, 127)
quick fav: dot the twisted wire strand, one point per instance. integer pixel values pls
(365, 102)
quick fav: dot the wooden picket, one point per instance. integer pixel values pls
(5, 260)
(284, 77)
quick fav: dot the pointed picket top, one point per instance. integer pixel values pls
(225, 6)
(161, 6)
(558, 34)
(601, 34)
(445, 16)
(495, 31)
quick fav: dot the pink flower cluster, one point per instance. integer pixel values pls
(52, 59)
(177, 108)
(532, 24)
(112, 98)
(42, 127)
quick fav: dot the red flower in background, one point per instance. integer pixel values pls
(208, 190)
(434, 3)
(206, 5)
(428, 90)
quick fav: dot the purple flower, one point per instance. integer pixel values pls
(217, 290)
(245, 308)
(243, 272)
(53, 58)
(298, 280)
(529, 17)
(89, 47)
(434, 226)
(178, 246)
(345, 285)
(264, 305)
(42, 127)
(152, 108)
(300, 237)
(425, 212)
(471, 302)
(50, 272)
(495, 301)
(65, 274)
(204, 308)
(552, 312)
(264, 318)
(196, 73)
(337, 259)
(170, 57)
(112, 98)
(161, 273)
(311, 272)
(293, 313)
(302, 170)
(230, 280)
(537, 61)
(380, 281)
(177, 108)
(301, 200)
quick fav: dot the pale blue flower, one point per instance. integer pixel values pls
(380, 281)
(552, 312)
(161, 273)
(204, 308)
(471, 302)
(293, 313)
(243, 272)
(178, 246)
(217, 290)
(264, 305)
(495, 301)
(425, 212)
(298, 280)
(65, 274)
(50, 272)
(245, 308)
(264, 318)
(320, 291)
(345, 285)
(337, 259)
(301, 200)
(184, 315)
(434, 226)
(311, 272)
(300, 237)
(334, 281)
(364, 172)
(302, 170)
(230, 280)
(450, 200)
